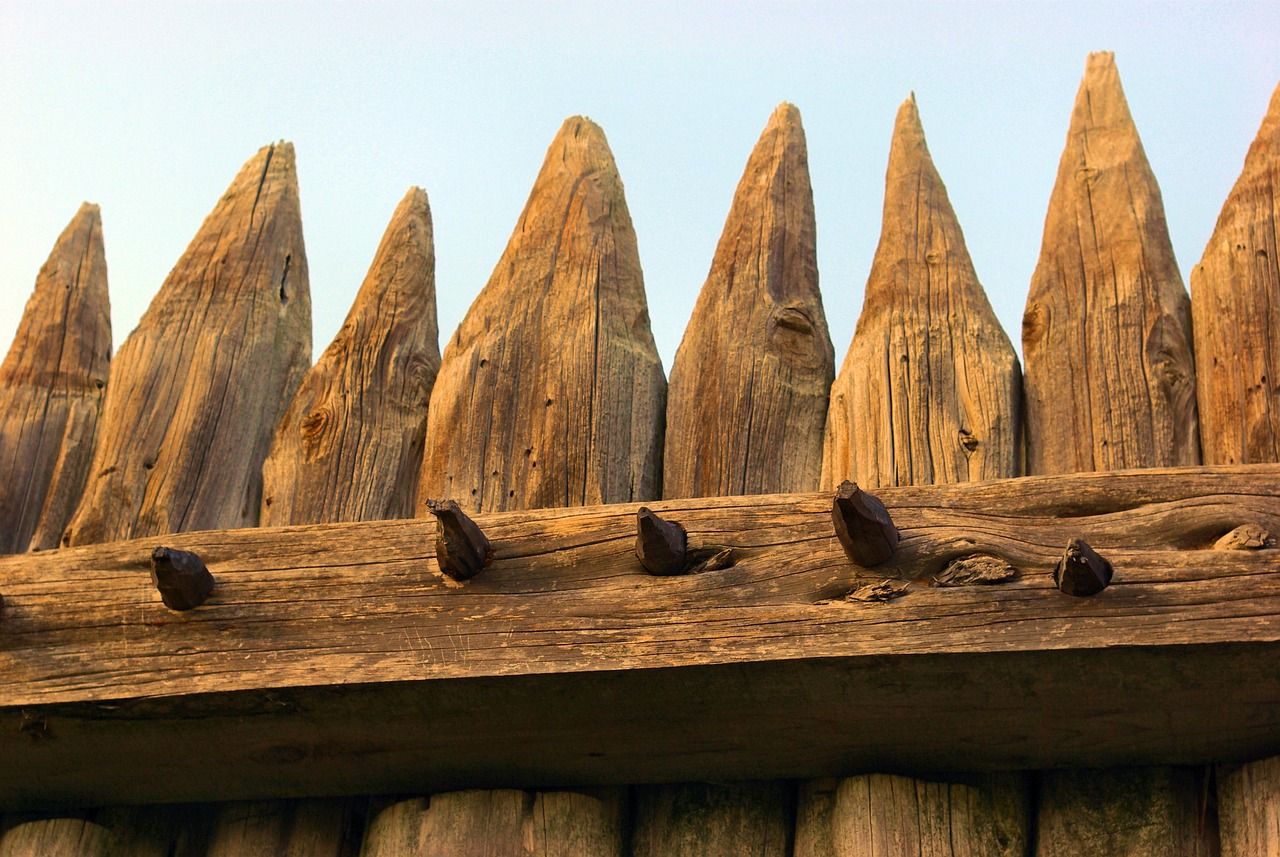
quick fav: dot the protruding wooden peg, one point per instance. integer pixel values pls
(181, 577)
(1081, 571)
(863, 525)
(661, 546)
(462, 549)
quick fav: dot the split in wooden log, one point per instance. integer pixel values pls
(349, 447)
(181, 577)
(1235, 304)
(197, 389)
(365, 685)
(1110, 380)
(661, 546)
(750, 382)
(1081, 571)
(551, 392)
(462, 549)
(51, 388)
(863, 526)
(930, 390)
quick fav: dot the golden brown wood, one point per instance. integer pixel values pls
(695, 819)
(51, 388)
(551, 392)
(336, 658)
(879, 815)
(1235, 304)
(749, 386)
(1110, 380)
(198, 387)
(350, 445)
(1249, 808)
(70, 836)
(930, 388)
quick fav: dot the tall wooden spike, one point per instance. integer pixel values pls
(51, 388)
(350, 445)
(551, 392)
(1110, 380)
(1235, 304)
(930, 390)
(749, 386)
(198, 388)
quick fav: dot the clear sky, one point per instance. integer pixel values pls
(149, 109)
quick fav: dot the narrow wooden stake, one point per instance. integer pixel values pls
(661, 546)
(462, 549)
(1081, 571)
(863, 526)
(182, 578)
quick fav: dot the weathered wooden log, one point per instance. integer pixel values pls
(695, 819)
(335, 658)
(930, 390)
(197, 389)
(51, 388)
(1249, 808)
(1110, 379)
(66, 836)
(551, 391)
(1235, 304)
(349, 447)
(750, 382)
(309, 828)
(885, 816)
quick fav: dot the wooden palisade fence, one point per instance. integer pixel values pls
(770, 696)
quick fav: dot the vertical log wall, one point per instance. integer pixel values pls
(551, 394)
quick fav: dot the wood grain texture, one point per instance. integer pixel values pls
(68, 836)
(1110, 378)
(880, 815)
(51, 388)
(349, 447)
(749, 386)
(930, 390)
(319, 665)
(198, 387)
(551, 392)
(1143, 812)
(1249, 808)
(696, 819)
(309, 828)
(1235, 303)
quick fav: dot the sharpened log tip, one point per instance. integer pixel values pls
(181, 577)
(863, 526)
(462, 548)
(1081, 571)
(661, 546)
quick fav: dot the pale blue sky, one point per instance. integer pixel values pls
(148, 109)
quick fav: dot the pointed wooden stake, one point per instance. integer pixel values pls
(462, 549)
(182, 578)
(661, 546)
(863, 526)
(1081, 571)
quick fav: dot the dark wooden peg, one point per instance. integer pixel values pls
(863, 526)
(661, 546)
(462, 549)
(181, 577)
(1081, 571)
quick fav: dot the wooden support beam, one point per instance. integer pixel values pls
(337, 659)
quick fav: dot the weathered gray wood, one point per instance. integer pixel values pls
(1235, 305)
(704, 820)
(51, 388)
(880, 815)
(930, 390)
(309, 828)
(1249, 808)
(198, 388)
(1110, 380)
(501, 822)
(748, 395)
(349, 447)
(336, 658)
(551, 392)
(1143, 812)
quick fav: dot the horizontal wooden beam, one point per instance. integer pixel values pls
(338, 659)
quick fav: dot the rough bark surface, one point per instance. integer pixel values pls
(749, 386)
(697, 819)
(930, 390)
(501, 823)
(551, 391)
(349, 447)
(879, 815)
(1249, 808)
(197, 389)
(1140, 812)
(1110, 378)
(51, 388)
(1235, 305)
